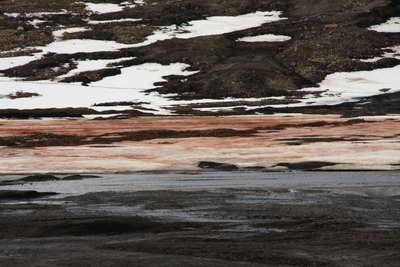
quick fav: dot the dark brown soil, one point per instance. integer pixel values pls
(86, 227)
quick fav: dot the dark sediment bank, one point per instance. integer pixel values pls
(232, 227)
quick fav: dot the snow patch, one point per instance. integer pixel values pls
(143, 76)
(213, 26)
(392, 25)
(113, 21)
(350, 86)
(102, 8)
(60, 33)
(90, 65)
(389, 52)
(265, 38)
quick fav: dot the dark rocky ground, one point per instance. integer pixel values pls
(326, 37)
(202, 228)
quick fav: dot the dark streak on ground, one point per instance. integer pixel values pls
(50, 139)
(331, 230)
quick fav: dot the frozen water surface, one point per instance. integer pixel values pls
(364, 183)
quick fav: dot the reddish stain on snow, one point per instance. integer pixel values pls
(373, 144)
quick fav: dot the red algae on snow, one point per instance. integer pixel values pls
(179, 143)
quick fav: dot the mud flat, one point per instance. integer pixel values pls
(275, 219)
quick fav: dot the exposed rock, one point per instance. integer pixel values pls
(75, 177)
(227, 167)
(16, 194)
(306, 165)
(208, 164)
(39, 178)
(21, 94)
(217, 166)
(331, 26)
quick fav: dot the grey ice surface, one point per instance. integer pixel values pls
(369, 183)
